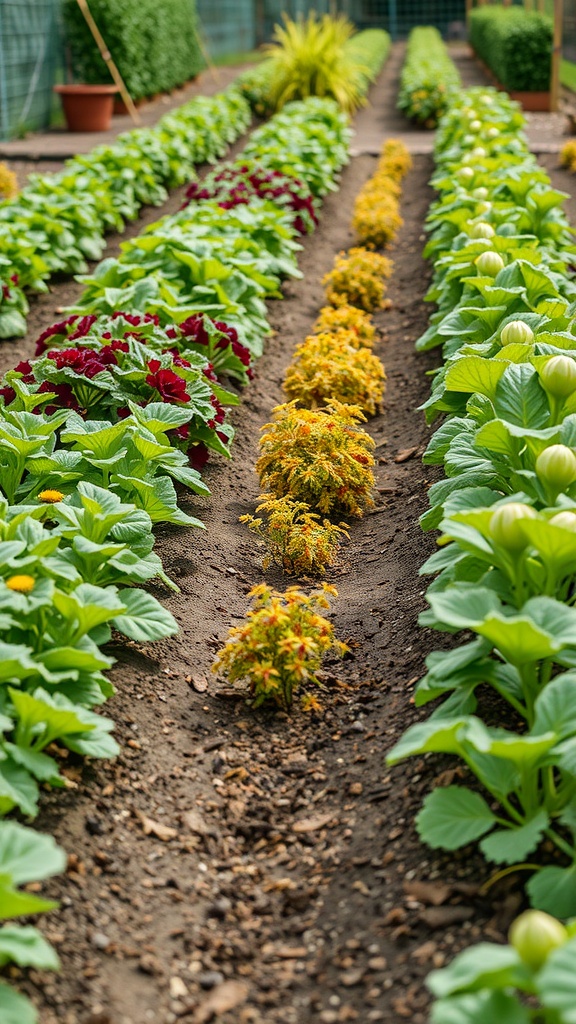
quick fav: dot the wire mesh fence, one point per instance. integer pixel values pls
(30, 56)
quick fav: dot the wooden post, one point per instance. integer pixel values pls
(556, 54)
(107, 57)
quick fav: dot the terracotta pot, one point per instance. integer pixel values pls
(87, 108)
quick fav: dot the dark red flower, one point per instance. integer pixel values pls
(198, 456)
(194, 328)
(65, 395)
(8, 394)
(169, 385)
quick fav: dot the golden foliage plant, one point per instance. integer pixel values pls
(358, 279)
(8, 183)
(568, 155)
(320, 457)
(377, 217)
(310, 59)
(327, 367)
(280, 646)
(298, 540)
(355, 322)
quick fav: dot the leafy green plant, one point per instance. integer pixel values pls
(529, 980)
(25, 856)
(279, 648)
(298, 540)
(321, 458)
(428, 78)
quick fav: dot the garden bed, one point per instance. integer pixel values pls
(274, 853)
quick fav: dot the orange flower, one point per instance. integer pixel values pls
(21, 584)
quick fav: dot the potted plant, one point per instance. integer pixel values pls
(87, 108)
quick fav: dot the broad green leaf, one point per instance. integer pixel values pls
(510, 846)
(480, 1008)
(472, 374)
(553, 889)
(557, 979)
(453, 817)
(144, 618)
(555, 708)
(26, 947)
(483, 966)
(520, 398)
(27, 855)
(15, 1009)
(431, 736)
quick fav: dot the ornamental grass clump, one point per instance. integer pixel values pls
(310, 59)
(323, 458)
(358, 279)
(280, 646)
(298, 540)
(326, 367)
(377, 217)
(347, 318)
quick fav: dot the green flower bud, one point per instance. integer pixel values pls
(479, 152)
(534, 935)
(516, 333)
(489, 264)
(475, 126)
(482, 230)
(565, 520)
(506, 525)
(480, 193)
(465, 175)
(556, 466)
(492, 133)
(559, 376)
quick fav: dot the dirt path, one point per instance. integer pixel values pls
(290, 883)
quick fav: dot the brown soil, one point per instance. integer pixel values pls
(293, 887)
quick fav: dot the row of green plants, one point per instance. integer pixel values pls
(315, 467)
(115, 413)
(515, 43)
(504, 286)
(429, 78)
(316, 56)
(58, 221)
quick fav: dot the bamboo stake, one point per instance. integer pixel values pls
(107, 57)
(556, 54)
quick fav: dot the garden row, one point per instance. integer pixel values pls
(95, 432)
(316, 460)
(504, 286)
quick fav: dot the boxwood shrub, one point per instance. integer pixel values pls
(515, 44)
(153, 44)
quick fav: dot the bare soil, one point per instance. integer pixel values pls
(263, 868)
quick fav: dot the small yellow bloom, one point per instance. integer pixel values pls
(21, 584)
(51, 497)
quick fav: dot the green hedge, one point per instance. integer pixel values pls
(153, 43)
(515, 44)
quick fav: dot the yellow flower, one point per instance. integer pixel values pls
(21, 584)
(51, 497)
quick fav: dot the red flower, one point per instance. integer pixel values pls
(198, 455)
(65, 395)
(8, 394)
(194, 328)
(169, 385)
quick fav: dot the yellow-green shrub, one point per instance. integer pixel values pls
(377, 217)
(568, 155)
(8, 183)
(327, 367)
(347, 318)
(322, 458)
(280, 645)
(298, 540)
(358, 279)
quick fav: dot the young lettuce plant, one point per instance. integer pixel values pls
(25, 856)
(532, 980)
